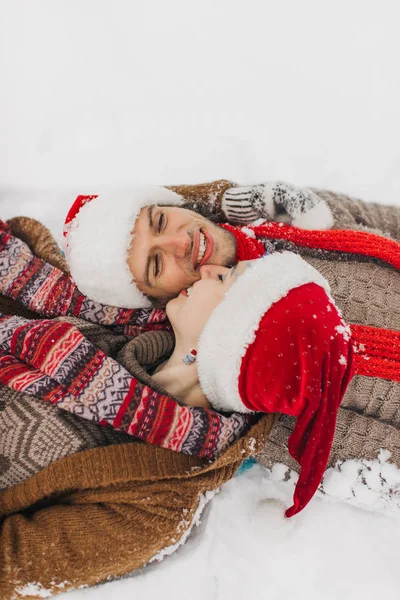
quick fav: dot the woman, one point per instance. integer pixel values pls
(74, 393)
(288, 352)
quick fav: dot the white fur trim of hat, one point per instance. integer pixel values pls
(98, 233)
(233, 324)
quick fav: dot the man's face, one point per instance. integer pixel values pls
(170, 245)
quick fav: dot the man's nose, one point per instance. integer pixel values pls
(176, 244)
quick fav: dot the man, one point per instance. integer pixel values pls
(165, 235)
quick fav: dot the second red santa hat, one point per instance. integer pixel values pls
(277, 343)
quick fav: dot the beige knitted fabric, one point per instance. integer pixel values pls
(366, 293)
(353, 213)
(374, 397)
(356, 437)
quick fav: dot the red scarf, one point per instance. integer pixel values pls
(377, 350)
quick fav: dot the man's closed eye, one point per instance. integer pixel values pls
(161, 222)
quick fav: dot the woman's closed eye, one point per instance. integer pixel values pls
(232, 272)
(157, 266)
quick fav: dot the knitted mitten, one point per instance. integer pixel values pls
(276, 201)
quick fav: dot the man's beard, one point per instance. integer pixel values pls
(229, 256)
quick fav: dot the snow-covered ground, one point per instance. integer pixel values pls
(97, 93)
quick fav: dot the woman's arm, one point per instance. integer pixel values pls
(50, 292)
(52, 360)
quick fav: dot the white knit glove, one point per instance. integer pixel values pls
(276, 201)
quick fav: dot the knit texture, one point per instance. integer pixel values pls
(356, 242)
(46, 290)
(374, 397)
(276, 201)
(54, 361)
(368, 293)
(205, 198)
(43, 245)
(347, 212)
(39, 239)
(353, 213)
(378, 352)
(357, 436)
(103, 513)
(147, 351)
(34, 434)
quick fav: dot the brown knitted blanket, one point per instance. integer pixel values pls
(69, 484)
(102, 513)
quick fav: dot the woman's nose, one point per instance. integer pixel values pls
(207, 271)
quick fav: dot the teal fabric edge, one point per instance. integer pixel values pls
(245, 466)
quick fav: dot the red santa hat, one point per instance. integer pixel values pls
(98, 232)
(277, 343)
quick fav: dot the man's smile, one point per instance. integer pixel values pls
(203, 246)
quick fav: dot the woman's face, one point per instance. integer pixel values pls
(190, 311)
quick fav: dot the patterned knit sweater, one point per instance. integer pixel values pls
(51, 359)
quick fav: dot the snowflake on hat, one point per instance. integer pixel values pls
(98, 232)
(277, 343)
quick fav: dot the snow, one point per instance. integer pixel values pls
(97, 93)
(245, 548)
